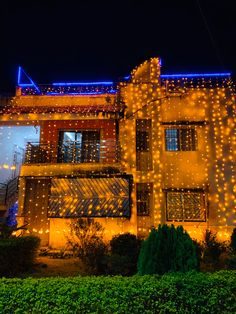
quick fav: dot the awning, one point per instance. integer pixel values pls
(89, 197)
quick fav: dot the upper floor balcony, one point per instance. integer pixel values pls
(74, 152)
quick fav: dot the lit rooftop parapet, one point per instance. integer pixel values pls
(195, 75)
(29, 87)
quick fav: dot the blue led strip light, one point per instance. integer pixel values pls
(83, 93)
(82, 84)
(20, 71)
(184, 75)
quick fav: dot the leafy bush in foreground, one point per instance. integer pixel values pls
(172, 293)
(17, 254)
(167, 249)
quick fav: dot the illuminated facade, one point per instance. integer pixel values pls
(151, 149)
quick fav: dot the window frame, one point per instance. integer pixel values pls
(180, 142)
(183, 192)
(83, 152)
(148, 194)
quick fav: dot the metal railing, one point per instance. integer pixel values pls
(92, 151)
(8, 192)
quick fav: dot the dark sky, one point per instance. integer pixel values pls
(88, 40)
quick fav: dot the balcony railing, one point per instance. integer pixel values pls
(103, 151)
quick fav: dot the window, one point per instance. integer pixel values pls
(181, 139)
(143, 194)
(79, 146)
(143, 145)
(185, 205)
(142, 142)
(90, 197)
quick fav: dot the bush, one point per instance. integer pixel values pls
(233, 241)
(212, 248)
(17, 254)
(189, 293)
(124, 255)
(87, 244)
(199, 252)
(167, 249)
(231, 262)
(7, 231)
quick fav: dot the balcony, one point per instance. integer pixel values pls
(75, 152)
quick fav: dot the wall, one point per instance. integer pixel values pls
(13, 140)
(211, 167)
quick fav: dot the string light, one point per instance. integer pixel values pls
(201, 107)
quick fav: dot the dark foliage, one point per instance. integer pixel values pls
(124, 254)
(231, 262)
(17, 254)
(212, 248)
(86, 241)
(167, 249)
(199, 252)
(233, 241)
(6, 230)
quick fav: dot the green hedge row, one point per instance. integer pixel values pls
(170, 293)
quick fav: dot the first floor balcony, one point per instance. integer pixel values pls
(75, 152)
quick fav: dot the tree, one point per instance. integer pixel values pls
(167, 249)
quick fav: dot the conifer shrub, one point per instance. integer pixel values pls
(17, 254)
(167, 249)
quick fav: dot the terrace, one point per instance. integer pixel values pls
(74, 152)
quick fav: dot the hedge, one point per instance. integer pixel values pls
(17, 254)
(171, 293)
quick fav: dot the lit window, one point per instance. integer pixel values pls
(79, 146)
(144, 192)
(187, 205)
(181, 139)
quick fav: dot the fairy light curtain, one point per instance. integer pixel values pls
(89, 197)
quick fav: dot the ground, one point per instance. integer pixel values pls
(52, 267)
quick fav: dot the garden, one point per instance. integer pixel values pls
(166, 273)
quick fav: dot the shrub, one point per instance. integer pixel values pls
(231, 262)
(167, 249)
(17, 254)
(86, 242)
(199, 252)
(6, 230)
(233, 241)
(212, 248)
(124, 255)
(172, 293)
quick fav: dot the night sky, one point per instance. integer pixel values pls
(104, 40)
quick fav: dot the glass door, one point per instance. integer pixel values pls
(79, 146)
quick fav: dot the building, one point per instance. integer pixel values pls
(151, 149)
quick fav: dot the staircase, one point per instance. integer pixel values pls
(8, 196)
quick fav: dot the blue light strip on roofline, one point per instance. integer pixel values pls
(85, 93)
(20, 70)
(184, 75)
(82, 84)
